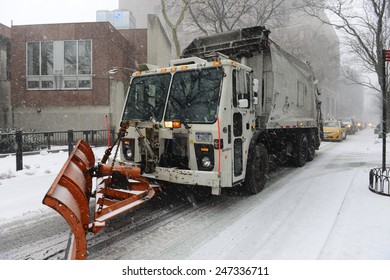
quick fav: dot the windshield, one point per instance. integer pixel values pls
(147, 97)
(194, 95)
(331, 124)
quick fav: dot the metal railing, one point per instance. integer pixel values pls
(380, 181)
(35, 141)
(20, 142)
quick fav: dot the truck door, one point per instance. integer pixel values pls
(243, 119)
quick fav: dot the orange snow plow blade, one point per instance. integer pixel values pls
(71, 191)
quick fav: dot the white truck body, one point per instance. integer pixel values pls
(219, 117)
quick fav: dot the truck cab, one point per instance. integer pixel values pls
(191, 123)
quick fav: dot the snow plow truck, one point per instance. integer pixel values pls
(233, 105)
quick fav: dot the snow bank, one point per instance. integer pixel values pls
(21, 192)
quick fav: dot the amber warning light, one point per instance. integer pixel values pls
(172, 124)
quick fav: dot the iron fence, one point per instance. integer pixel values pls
(21, 142)
(35, 141)
(380, 181)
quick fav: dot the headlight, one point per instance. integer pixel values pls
(204, 154)
(206, 162)
(129, 153)
(128, 149)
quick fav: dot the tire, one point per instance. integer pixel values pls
(300, 151)
(312, 147)
(257, 170)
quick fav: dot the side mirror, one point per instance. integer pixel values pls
(243, 103)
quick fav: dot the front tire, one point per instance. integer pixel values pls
(257, 170)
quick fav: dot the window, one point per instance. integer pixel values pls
(147, 97)
(194, 95)
(242, 86)
(4, 59)
(59, 65)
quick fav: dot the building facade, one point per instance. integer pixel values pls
(310, 40)
(61, 76)
(5, 76)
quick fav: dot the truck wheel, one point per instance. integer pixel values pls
(300, 151)
(312, 147)
(257, 170)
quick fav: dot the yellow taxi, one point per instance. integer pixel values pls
(334, 130)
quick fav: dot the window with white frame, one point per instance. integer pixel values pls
(59, 65)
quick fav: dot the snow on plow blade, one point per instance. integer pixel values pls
(69, 195)
(120, 189)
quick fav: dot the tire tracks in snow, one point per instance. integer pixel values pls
(331, 230)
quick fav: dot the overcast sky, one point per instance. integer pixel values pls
(22, 12)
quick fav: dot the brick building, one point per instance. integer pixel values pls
(60, 72)
(5, 76)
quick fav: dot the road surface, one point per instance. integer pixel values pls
(323, 210)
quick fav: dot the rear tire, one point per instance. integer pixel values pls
(312, 147)
(300, 151)
(257, 170)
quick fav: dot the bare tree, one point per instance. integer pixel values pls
(364, 25)
(215, 16)
(174, 23)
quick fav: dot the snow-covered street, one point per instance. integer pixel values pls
(323, 210)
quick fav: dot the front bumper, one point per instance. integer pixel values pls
(332, 136)
(188, 177)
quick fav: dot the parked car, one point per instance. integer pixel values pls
(350, 125)
(334, 130)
